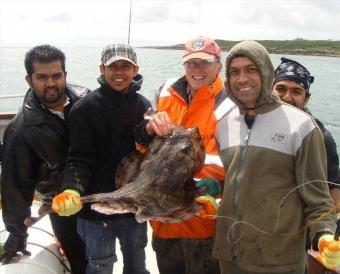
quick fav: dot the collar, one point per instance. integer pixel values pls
(206, 92)
(61, 113)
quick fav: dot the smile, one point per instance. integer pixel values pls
(245, 89)
(118, 80)
(198, 77)
(51, 90)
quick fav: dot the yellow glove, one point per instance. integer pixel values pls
(209, 208)
(329, 252)
(67, 203)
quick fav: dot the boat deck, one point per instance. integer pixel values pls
(45, 253)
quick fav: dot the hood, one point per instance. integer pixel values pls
(260, 56)
(135, 85)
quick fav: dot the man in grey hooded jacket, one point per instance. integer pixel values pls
(276, 182)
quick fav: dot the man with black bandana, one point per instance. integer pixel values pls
(275, 184)
(292, 84)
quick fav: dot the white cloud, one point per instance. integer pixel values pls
(96, 23)
(65, 17)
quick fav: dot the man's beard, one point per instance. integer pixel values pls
(52, 99)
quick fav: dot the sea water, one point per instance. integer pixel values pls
(156, 65)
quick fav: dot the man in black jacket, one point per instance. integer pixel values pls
(35, 148)
(292, 84)
(101, 134)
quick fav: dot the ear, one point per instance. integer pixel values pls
(135, 70)
(102, 69)
(29, 80)
(219, 67)
(306, 100)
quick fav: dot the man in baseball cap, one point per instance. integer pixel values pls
(101, 135)
(191, 101)
(114, 52)
(201, 48)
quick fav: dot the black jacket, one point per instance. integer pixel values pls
(332, 155)
(101, 126)
(35, 148)
(333, 173)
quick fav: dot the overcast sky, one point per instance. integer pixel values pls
(98, 22)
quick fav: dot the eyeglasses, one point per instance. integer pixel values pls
(202, 64)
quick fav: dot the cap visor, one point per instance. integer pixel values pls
(198, 55)
(118, 58)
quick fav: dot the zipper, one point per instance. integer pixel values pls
(239, 177)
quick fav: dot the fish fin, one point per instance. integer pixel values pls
(140, 216)
(108, 209)
(128, 169)
(181, 214)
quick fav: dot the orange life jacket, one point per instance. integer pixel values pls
(199, 113)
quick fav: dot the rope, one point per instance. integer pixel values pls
(278, 215)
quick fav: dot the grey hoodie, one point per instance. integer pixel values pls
(268, 198)
(259, 55)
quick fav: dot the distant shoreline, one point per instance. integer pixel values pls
(326, 48)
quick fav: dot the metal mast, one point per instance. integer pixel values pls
(129, 22)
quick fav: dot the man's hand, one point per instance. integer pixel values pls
(211, 186)
(209, 208)
(67, 203)
(159, 124)
(329, 251)
(11, 247)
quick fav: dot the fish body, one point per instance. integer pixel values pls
(157, 185)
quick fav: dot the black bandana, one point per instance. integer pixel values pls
(293, 71)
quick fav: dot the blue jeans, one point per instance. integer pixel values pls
(100, 240)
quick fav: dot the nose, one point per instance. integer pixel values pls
(286, 97)
(50, 82)
(243, 77)
(119, 69)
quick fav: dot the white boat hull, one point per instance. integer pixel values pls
(45, 258)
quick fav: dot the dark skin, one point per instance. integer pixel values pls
(48, 81)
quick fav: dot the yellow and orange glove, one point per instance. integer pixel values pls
(329, 252)
(209, 207)
(67, 203)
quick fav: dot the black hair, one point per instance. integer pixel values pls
(43, 54)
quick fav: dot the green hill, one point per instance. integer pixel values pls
(297, 46)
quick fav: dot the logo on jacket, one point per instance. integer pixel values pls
(198, 44)
(279, 138)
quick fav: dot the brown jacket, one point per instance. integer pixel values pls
(267, 199)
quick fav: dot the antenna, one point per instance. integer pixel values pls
(129, 22)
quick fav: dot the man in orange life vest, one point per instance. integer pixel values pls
(193, 100)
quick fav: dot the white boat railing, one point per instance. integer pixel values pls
(5, 118)
(46, 257)
(10, 96)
